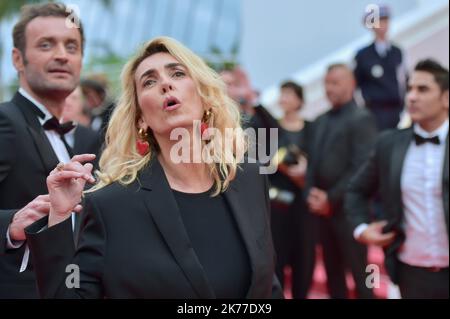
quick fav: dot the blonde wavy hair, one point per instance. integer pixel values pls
(120, 161)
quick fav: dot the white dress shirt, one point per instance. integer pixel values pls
(62, 155)
(426, 243)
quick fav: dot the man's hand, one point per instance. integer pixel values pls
(35, 210)
(318, 202)
(373, 235)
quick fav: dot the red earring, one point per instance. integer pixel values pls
(203, 128)
(204, 125)
(142, 144)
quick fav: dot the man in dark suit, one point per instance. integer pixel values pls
(410, 169)
(47, 56)
(380, 73)
(342, 140)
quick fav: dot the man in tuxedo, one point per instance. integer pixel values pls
(341, 142)
(47, 55)
(410, 170)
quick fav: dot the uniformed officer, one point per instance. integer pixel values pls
(380, 71)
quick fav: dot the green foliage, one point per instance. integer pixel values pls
(10, 7)
(219, 61)
(109, 64)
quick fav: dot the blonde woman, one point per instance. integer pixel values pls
(151, 227)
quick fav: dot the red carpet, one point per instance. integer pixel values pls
(319, 285)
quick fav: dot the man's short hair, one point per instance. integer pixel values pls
(439, 73)
(334, 66)
(32, 11)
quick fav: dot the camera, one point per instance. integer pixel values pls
(289, 155)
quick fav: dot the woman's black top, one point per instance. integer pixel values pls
(217, 242)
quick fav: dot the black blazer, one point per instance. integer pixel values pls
(339, 146)
(87, 141)
(133, 243)
(26, 159)
(382, 172)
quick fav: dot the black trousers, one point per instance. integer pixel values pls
(295, 235)
(422, 283)
(341, 252)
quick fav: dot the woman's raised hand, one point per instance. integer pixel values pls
(65, 187)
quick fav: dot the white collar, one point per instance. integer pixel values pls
(40, 106)
(441, 132)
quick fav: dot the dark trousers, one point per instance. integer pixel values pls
(15, 284)
(295, 234)
(340, 253)
(422, 283)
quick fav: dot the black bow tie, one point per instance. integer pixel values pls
(422, 140)
(54, 125)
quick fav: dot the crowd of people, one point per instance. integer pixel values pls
(91, 181)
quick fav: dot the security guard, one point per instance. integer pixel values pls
(380, 72)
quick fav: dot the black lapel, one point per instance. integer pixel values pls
(240, 212)
(319, 132)
(163, 208)
(400, 147)
(445, 184)
(79, 140)
(44, 148)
